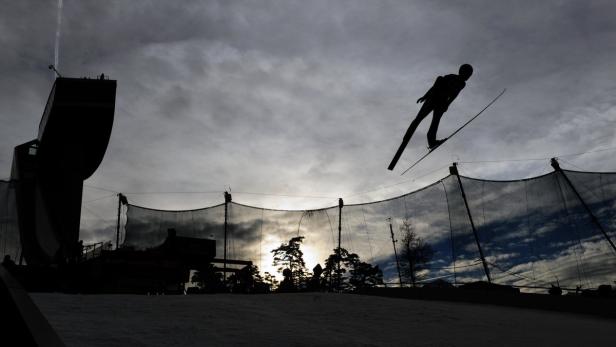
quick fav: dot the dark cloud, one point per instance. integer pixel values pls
(312, 98)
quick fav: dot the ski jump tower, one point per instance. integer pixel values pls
(49, 171)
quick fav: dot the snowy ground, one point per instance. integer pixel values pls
(308, 320)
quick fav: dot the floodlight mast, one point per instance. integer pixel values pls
(53, 68)
(393, 241)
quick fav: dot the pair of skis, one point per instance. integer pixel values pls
(406, 140)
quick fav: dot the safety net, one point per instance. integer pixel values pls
(554, 229)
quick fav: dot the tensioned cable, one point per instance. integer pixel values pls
(367, 233)
(589, 190)
(369, 191)
(537, 159)
(261, 240)
(509, 272)
(401, 182)
(476, 263)
(299, 224)
(100, 188)
(528, 230)
(297, 196)
(453, 253)
(570, 163)
(502, 160)
(288, 196)
(331, 228)
(358, 204)
(211, 192)
(580, 183)
(345, 223)
(235, 192)
(94, 214)
(571, 221)
(100, 198)
(587, 152)
(162, 193)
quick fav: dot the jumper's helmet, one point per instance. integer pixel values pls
(466, 70)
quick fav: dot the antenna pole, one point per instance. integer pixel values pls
(393, 241)
(53, 68)
(339, 250)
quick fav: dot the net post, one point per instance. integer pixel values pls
(554, 163)
(453, 253)
(454, 171)
(393, 241)
(340, 206)
(121, 201)
(224, 262)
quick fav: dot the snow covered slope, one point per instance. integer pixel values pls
(308, 320)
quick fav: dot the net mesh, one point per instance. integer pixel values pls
(533, 232)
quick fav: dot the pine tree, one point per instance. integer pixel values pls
(364, 275)
(361, 274)
(334, 276)
(270, 281)
(208, 279)
(290, 256)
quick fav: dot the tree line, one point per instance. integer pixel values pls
(341, 270)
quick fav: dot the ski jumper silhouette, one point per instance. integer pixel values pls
(436, 100)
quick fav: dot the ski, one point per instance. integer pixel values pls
(444, 140)
(405, 141)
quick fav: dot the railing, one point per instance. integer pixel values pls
(94, 250)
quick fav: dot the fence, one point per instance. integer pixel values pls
(552, 229)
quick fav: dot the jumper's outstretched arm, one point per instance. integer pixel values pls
(423, 98)
(429, 92)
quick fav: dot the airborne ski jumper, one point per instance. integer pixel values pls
(452, 134)
(436, 100)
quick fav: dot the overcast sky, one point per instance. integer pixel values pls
(312, 98)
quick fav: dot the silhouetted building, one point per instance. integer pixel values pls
(49, 171)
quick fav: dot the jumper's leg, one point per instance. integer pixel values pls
(436, 118)
(423, 112)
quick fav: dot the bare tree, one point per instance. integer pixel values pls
(415, 253)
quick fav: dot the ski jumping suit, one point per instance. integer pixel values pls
(437, 100)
